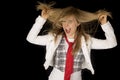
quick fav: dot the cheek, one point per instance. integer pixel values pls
(74, 26)
(63, 27)
(74, 29)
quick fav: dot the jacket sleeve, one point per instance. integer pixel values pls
(33, 36)
(110, 40)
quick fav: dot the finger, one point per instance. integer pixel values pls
(102, 17)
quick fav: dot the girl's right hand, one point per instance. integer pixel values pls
(45, 14)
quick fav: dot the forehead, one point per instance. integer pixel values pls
(69, 17)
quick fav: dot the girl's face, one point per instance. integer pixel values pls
(70, 25)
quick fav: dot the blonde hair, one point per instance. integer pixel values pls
(83, 17)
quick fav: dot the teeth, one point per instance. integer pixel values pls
(68, 30)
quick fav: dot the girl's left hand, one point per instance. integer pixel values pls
(103, 19)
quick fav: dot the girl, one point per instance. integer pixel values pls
(68, 45)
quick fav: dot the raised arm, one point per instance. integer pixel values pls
(33, 36)
(110, 40)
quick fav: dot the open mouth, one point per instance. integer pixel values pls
(68, 30)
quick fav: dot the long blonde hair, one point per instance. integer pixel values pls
(82, 17)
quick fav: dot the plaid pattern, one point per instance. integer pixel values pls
(60, 57)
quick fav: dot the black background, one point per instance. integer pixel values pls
(105, 62)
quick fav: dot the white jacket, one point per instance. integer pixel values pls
(92, 43)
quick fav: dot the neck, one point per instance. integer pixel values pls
(70, 36)
(73, 36)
